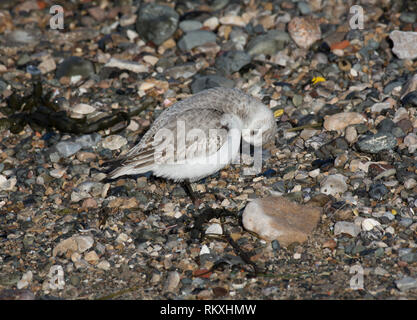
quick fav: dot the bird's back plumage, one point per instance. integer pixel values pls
(221, 109)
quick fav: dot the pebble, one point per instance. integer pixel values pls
(172, 281)
(410, 183)
(156, 22)
(380, 106)
(377, 142)
(304, 8)
(75, 243)
(57, 173)
(68, 148)
(408, 17)
(104, 265)
(405, 44)
(369, 223)
(378, 191)
(410, 141)
(334, 185)
(196, 38)
(25, 281)
(304, 31)
(232, 61)
(351, 135)
(232, 20)
(47, 65)
(345, 227)
(91, 257)
(7, 184)
(114, 142)
(276, 218)
(127, 65)
(406, 283)
(214, 228)
(75, 66)
(339, 121)
(211, 23)
(201, 83)
(190, 25)
(83, 108)
(269, 43)
(88, 140)
(204, 249)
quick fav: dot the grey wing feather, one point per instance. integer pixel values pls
(205, 140)
(223, 100)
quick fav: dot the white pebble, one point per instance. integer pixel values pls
(204, 250)
(214, 228)
(369, 224)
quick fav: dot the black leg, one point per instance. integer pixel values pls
(189, 190)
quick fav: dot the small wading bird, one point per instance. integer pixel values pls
(198, 136)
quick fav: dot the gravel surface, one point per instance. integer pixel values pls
(345, 102)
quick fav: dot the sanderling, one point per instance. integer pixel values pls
(198, 136)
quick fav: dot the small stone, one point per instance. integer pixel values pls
(408, 17)
(269, 43)
(83, 108)
(204, 250)
(123, 237)
(57, 173)
(405, 44)
(156, 22)
(75, 244)
(89, 203)
(211, 23)
(381, 106)
(378, 191)
(127, 65)
(68, 148)
(196, 38)
(75, 66)
(190, 25)
(304, 8)
(410, 183)
(7, 184)
(86, 156)
(172, 281)
(339, 121)
(304, 31)
(334, 185)
(406, 283)
(201, 83)
(369, 223)
(25, 281)
(104, 265)
(344, 227)
(377, 142)
(233, 20)
(47, 65)
(214, 228)
(276, 218)
(410, 141)
(232, 61)
(114, 142)
(351, 135)
(91, 257)
(88, 140)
